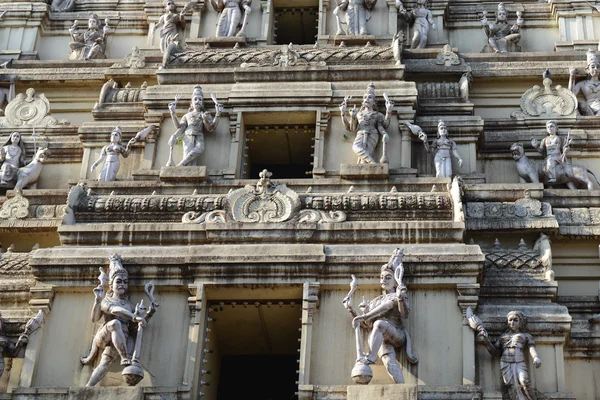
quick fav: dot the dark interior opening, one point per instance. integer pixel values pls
(258, 377)
(297, 25)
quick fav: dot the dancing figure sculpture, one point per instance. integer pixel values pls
(90, 44)
(382, 317)
(500, 33)
(368, 124)
(120, 335)
(171, 25)
(233, 14)
(421, 19)
(442, 147)
(192, 127)
(589, 87)
(511, 346)
(357, 15)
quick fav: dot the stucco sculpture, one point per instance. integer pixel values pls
(555, 168)
(171, 25)
(62, 5)
(357, 15)
(90, 44)
(442, 147)
(12, 155)
(192, 126)
(110, 153)
(233, 14)
(421, 19)
(382, 317)
(500, 33)
(8, 348)
(120, 335)
(368, 124)
(511, 347)
(589, 87)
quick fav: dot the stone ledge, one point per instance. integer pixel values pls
(364, 171)
(183, 174)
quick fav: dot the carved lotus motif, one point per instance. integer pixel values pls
(550, 101)
(277, 204)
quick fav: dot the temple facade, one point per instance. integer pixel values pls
(315, 201)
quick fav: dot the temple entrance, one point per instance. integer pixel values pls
(279, 142)
(297, 25)
(252, 352)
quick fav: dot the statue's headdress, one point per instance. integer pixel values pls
(94, 16)
(501, 7)
(118, 130)
(552, 122)
(197, 91)
(116, 267)
(592, 58)
(370, 90)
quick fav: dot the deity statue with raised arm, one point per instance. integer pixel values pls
(12, 156)
(367, 123)
(357, 15)
(233, 14)
(383, 318)
(442, 147)
(171, 25)
(589, 87)
(110, 154)
(90, 44)
(512, 347)
(500, 33)
(421, 19)
(119, 335)
(192, 127)
(554, 148)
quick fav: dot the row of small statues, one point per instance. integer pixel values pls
(381, 320)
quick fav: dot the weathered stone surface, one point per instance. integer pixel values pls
(183, 174)
(364, 171)
(384, 392)
(106, 393)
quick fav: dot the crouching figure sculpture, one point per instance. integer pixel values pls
(554, 169)
(118, 337)
(382, 317)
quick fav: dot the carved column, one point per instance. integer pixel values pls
(196, 21)
(468, 296)
(41, 299)
(192, 373)
(266, 29)
(392, 17)
(234, 169)
(323, 117)
(310, 302)
(323, 11)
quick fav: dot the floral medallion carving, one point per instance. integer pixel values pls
(28, 109)
(15, 208)
(550, 101)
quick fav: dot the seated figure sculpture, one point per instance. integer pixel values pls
(421, 19)
(116, 338)
(357, 15)
(500, 34)
(192, 127)
(589, 87)
(383, 317)
(230, 16)
(91, 44)
(368, 124)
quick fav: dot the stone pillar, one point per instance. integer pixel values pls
(323, 13)
(392, 17)
(234, 169)
(310, 302)
(406, 149)
(196, 21)
(192, 373)
(321, 129)
(468, 295)
(41, 299)
(266, 29)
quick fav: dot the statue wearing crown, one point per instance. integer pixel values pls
(90, 44)
(589, 87)
(368, 124)
(383, 318)
(501, 35)
(121, 334)
(192, 127)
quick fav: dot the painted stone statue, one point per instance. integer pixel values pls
(382, 318)
(233, 14)
(368, 124)
(421, 20)
(500, 33)
(110, 154)
(12, 156)
(192, 127)
(90, 44)
(442, 147)
(357, 15)
(555, 169)
(171, 25)
(589, 88)
(512, 347)
(120, 335)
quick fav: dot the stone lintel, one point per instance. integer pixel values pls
(225, 41)
(183, 174)
(364, 171)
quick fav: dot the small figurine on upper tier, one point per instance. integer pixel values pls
(357, 15)
(230, 16)
(442, 147)
(91, 44)
(171, 24)
(589, 87)
(421, 19)
(500, 34)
